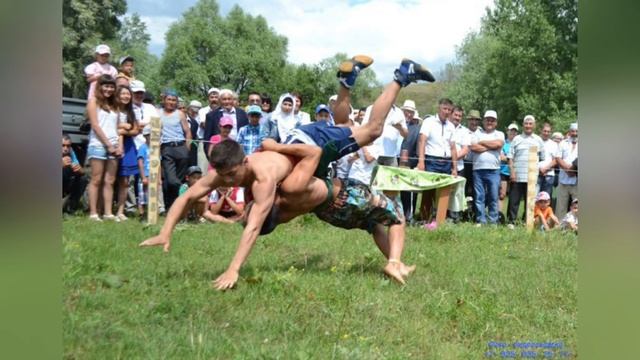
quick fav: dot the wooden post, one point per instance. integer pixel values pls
(532, 177)
(154, 170)
(443, 204)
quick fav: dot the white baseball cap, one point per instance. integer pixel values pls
(103, 49)
(213, 89)
(333, 98)
(513, 126)
(137, 85)
(491, 114)
(195, 103)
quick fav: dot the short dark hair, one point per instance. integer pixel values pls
(458, 108)
(254, 93)
(226, 155)
(446, 101)
(297, 95)
(66, 137)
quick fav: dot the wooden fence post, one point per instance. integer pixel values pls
(154, 170)
(531, 185)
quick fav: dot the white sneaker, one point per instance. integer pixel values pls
(511, 226)
(111, 218)
(95, 217)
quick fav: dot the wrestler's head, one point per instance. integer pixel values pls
(228, 159)
(270, 222)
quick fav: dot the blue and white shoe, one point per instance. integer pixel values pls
(349, 70)
(410, 71)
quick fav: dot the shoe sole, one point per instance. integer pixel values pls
(362, 60)
(426, 75)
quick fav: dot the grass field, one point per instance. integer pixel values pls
(312, 291)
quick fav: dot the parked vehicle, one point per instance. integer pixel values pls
(75, 124)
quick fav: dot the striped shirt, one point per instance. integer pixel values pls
(519, 154)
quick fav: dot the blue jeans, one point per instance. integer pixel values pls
(486, 185)
(437, 165)
(546, 183)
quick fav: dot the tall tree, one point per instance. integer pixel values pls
(85, 24)
(204, 49)
(522, 61)
(133, 40)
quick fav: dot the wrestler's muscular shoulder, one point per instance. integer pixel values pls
(270, 165)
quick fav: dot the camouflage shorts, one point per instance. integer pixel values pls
(356, 207)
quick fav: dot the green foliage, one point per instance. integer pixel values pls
(133, 40)
(310, 290)
(85, 24)
(522, 61)
(204, 49)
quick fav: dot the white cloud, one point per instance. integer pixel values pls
(157, 26)
(425, 31)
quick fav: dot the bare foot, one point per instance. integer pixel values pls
(392, 270)
(406, 270)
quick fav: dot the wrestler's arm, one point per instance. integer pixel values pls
(301, 175)
(264, 191)
(201, 188)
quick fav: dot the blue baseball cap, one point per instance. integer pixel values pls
(254, 109)
(322, 107)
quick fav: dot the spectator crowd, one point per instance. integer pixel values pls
(452, 141)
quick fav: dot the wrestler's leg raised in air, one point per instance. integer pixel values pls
(408, 72)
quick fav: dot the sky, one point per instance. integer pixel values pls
(387, 30)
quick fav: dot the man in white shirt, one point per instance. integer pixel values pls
(436, 151)
(213, 96)
(518, 158)
(461, 139)
(394, 127)
(486, 145)
(546, 176)
(473, 121)
(568, 176)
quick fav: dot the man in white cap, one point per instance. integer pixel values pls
(547, 175)
(192, 118)
(505, 171)
(409, 143)
(568, 177)
(98, 68)
(142, 110)
(486, 145)
(213, 96)
(518, 158)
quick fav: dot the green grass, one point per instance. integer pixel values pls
(310, 290)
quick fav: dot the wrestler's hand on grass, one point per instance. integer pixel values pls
(158, 240)
(226, 281)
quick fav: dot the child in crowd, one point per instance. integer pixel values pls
(226, 205)
(125, 76)
(570, 221)
(543, 213)
(128, 128)
(98, 68)
(197, 209)
(226, 124)
(143, 167)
